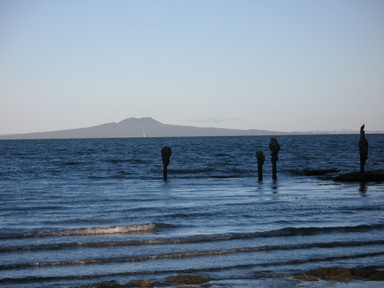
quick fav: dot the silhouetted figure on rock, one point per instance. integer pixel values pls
(274, 146)
(363, 148)
(260, 161)
(166, 153)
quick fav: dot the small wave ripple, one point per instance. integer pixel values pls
(107, 230)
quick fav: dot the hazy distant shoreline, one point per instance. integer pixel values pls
(148, 127)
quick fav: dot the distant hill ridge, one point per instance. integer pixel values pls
(140, 121)
(139, 127)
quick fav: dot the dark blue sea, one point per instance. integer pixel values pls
(81, 212)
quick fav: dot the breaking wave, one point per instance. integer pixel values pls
(107, 230)
(151, 227)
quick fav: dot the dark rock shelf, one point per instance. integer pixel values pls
(374, 176)
(342, 274)
(313, 172)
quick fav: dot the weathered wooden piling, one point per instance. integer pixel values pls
(166, 153)
(363, 149)
(274, 146)
(260, 161)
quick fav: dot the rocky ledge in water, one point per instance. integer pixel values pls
(184, 281)
(372, 176)
(114, 284)
(329, 174)
(342, 274)
(314, 172)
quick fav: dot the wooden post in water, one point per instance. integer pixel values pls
(260, 161)
(274, 146)
(363, 149)
(166, 153)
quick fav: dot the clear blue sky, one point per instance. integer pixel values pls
(276, 65)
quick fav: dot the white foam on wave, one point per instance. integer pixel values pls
(104, 230)
(107, 230)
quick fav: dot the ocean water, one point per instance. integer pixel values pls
(79, 212)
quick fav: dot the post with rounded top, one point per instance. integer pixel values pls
(260, 161)
(363, 149)
(274, 146)
(166, 153)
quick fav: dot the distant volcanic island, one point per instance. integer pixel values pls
(139, 127)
